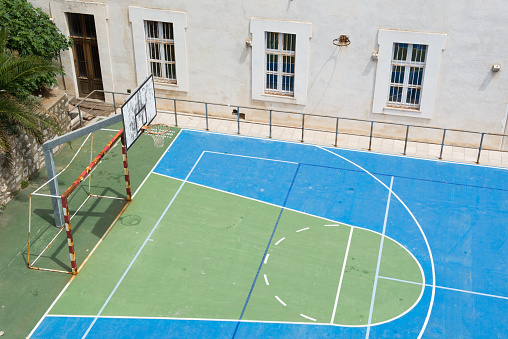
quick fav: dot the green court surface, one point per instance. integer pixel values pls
(201, 259)
(26, 294)
(236, 237)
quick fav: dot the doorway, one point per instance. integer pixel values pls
(86, 54)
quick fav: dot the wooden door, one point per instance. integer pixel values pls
(86, 54)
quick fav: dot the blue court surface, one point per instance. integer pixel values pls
(453, 218)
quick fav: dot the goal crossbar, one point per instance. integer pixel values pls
(120, 136)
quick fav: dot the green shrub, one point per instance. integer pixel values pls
(32, 33)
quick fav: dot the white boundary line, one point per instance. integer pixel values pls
(446, 288)
(304, 213)
(158, 161)
(141, 248)
(51, 306)
(376, 277)
(330, 225)
(100, 240)
(199, 319)
(421, 230)
(257, 200)
(251, 157)
(342, 275)
(343, 149)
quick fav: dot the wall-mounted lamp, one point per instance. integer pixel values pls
(52, 20)
(496, 67)
(374, 55)
(343, 40)
(248, 42)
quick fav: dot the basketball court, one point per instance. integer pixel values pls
(238, 237)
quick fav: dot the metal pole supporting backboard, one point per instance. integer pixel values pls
(50, 160)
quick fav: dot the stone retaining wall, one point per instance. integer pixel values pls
(28, 156)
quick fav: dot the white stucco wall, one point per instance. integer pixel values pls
(340, 80)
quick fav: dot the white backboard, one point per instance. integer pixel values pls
(138, 110)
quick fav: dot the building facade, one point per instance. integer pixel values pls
(438, 64)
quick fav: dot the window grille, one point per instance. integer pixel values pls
(280, 63)
(161, 51)
(408, 68)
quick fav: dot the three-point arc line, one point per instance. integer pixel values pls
(278, 242)
(266, 280)
(303, 229)
(283, 303)
(266, 258)
(307, 317)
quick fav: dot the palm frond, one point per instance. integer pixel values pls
(28, 116)
(14, 70)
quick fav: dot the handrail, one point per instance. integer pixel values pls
(371, 123)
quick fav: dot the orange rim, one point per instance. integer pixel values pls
(157, 129)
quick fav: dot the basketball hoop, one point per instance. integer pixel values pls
(157, 131)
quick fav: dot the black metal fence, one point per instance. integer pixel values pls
(369, 129)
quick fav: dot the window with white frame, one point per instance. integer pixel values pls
(280, 60)
(159, 40)
(407, 72)
(280, 63)
(161, 51)
(408, 66)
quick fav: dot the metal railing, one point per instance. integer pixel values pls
(237, 109)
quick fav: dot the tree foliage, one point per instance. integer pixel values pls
(17, 113)
(32, 33)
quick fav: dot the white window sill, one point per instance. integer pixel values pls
(168, 87)
(405, 112)
(278, 98)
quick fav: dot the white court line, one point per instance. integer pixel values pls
(251, 157)
(151, 171)
(278, 242)
(280, 206)
(379, 259)
(199, 319)
(266, 281)
(100, 240)
(307, 317)
(283, 303)
(140, 249)
(346, 149)
(342, 275)
(110, 130)
(303, 229)
(431, 304)
(447, 288)
(50, 307)
(266, 258)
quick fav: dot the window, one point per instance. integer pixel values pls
(280, 60)
(280, 63)
(408, 64)
(159, 41)
(407, 73)
(161, 50)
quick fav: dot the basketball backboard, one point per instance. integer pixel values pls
(138, 110)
